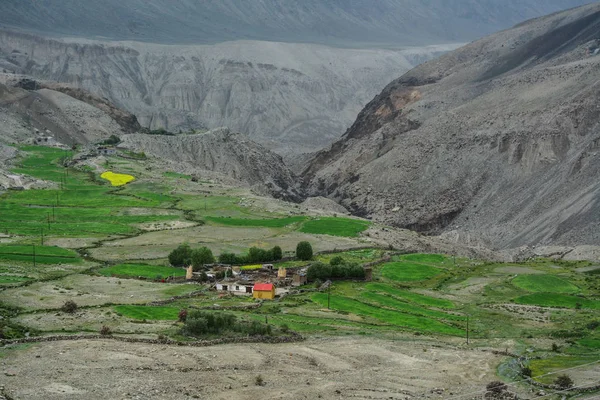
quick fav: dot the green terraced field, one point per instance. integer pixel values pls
(390, 302)
(335, 226)
(410, 296)
(557, 300)
(269, 223)
(544, 283)
(403, 320)
(150, 313)
(43, 254)
(141, 270)
(404, 271)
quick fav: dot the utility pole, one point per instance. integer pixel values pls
(329, 295)
(467, 329)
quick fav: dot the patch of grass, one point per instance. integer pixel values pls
(590, 343)
(251, 267)
(147, 312)
(360, 256)
(143, 270)
(43, 254)
(403, 320)
(180, 290)
(7, 279)
(403, 271)
(335, 226)
(269, 223)
(544, 283)
(557, 300)
(177, 175)
(402, 306)
(424, 258)
(557, 363)
(412, 297)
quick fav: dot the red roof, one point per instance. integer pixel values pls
(263, 286)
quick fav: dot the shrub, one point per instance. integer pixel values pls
(304, 251)
(337, 271)
(496, 387)
(69, 307)
(284, 328)
(202, 256)
(258, 255)
(563, 381)
(105, 331)
(593, 325)
(181, 256)
(555, 348)
(182, 316)
(259, 381)
(526, 371)
(337, 260)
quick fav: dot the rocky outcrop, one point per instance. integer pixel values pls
(231, 154)
(496, 142)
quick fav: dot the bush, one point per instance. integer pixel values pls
(202, 256)
(284, 328)
(526, 371)
(555, 348)
(304, 251)
(563, 381)
(256, 255)
(105, 331)
(200, 323)
(181, 256)
(182, 316)
(259, 381)
(112, 140)
(337, 260)
(69, 307)
(496, 387)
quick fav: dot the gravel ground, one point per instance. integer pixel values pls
(329, 368)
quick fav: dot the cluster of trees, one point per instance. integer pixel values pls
(255, 255)
(338, 268)
(112, 140)
(184, 255)
(199, 323)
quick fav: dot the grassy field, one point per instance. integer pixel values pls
(410, 296)
(557, 300)
(43, 254)
(404, 271)
(141, 270)
(335, 226)
(7, 279)
(389, 317)
(544, 283)
(269, 223)
(148, 312)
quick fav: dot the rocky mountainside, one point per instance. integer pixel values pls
(231, 154)
(331, 22)
(291, 97)
(44, 114)
(496, 142)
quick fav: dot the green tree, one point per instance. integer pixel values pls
(304, 251)
(563, 381)
(227, 258)
(258, 255)
(337, 260)
(202, 256)
(181, 256)
(276, 253)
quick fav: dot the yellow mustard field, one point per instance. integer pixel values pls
(117, 179)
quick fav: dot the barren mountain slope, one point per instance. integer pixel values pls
(332, 22)
(498, 140)
(231, 154)
(54, 114)
(290, 97)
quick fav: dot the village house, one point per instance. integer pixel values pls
(234, 287)
(264, 291)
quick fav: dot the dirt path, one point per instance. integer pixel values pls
(329, 368)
